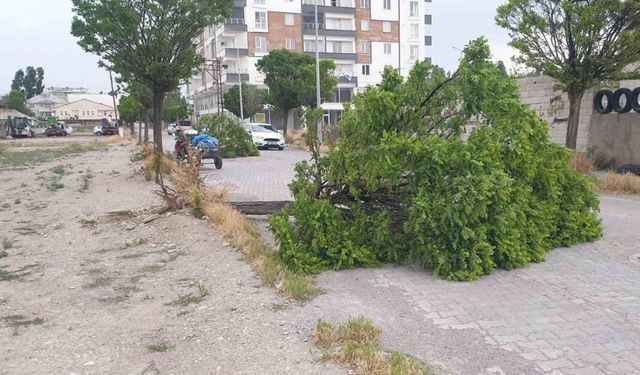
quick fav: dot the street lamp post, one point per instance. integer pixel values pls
(318, 99)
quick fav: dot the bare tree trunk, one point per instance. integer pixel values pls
(285, 122)
(158, 101)
(140, 131)
(575, 102)
(146, 126)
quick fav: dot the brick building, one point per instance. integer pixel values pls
(360, 36)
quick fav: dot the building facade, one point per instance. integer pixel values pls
(84, 110)
(360, 36)
(43, 105)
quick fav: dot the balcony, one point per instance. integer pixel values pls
(347, 78)
(232, 52)
(235, 24)
(334, 55)
(310, 29)
(330, 6)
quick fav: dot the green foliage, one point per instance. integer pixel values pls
(401, 185)
(252, 100)
(175, 107)
(129, 109)
(235, 141)
(290, 77)
(196, 204)
(29, 84)
(16, 100)
(579, 43)
(149, 42)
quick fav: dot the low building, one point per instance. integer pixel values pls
(43, 104)
(83, 110)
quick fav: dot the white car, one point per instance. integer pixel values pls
(263, 137)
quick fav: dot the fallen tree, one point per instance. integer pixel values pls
(402, 185)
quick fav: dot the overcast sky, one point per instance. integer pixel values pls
(36, 32)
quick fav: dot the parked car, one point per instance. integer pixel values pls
(106, 127)
(263, 137)
(60, 129)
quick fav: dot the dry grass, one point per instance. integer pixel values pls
(627, 183)
(242, 235)
(189, 190)
(580, 163)
(356, 344)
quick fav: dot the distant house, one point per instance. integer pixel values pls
(83, 110)
(53, 97)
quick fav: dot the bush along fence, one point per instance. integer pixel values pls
(401, 185)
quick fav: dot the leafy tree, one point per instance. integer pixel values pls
(147, 41)
(291, 80)
(18, 78)
(175, 107)
(580, 43)
(401, 185)
(129, 109)
(252, 100)
(16, 100)
(29, 84)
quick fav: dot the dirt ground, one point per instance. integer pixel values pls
(87, 288)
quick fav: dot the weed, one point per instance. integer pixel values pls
(99, 282)
(196, 204)
(151, 268)
(21, 321)
(59, 170)
(55, 184)
(7, 244)
(88, 223)
(627, 183)
(86, 180)
(580, 163)
(299, 287)
(160, 347)
(356, 343)
(186, 300)
(203, 290)
(17, 274)
(136, 242)
(277, 306)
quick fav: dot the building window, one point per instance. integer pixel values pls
(413, 9)
(259, 2)
(387, 48)
(261, 44)
(289, 20)
(365, 70)
(339, 47)
(413, 52)
(364, 4)
(290, 43)
(386, 26)
(261, 20)
(363, 47)
(414, 31)
(364, 25)
(428, 19)
(427, 40)
(387, 4)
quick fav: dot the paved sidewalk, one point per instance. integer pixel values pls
(263, 177)
(576, 313)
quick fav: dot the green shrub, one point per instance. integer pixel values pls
(401, 185)
(234, 140)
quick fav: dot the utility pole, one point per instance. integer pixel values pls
(239, 83)
(318, 99)
(113, 96)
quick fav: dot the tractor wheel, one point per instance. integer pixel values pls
(218, 162)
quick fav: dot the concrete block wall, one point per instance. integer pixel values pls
(553, 106)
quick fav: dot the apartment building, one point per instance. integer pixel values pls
(360, 36)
